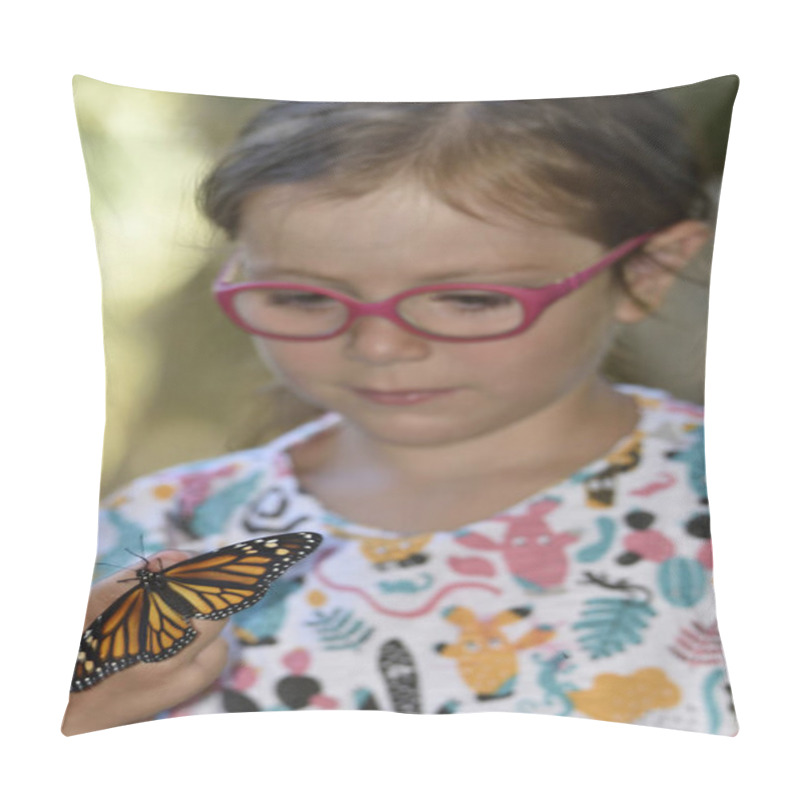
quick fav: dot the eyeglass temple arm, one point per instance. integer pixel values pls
(574, 281)
(225, 274)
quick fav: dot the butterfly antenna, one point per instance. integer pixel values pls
(108, 564)
(146, 562)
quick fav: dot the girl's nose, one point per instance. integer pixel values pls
(380, 340)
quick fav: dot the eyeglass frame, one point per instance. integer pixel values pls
(534, 301)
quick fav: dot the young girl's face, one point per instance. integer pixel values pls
(399, 238)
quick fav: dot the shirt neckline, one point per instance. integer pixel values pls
(650, 403)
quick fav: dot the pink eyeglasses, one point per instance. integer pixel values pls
(451, 312)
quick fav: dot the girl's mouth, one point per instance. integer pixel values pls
(402, 398)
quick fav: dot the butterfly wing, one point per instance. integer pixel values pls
(139, 626)
(150, 622)
(218, 584)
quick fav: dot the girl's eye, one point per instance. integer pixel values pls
(299, 299)
(473, 301)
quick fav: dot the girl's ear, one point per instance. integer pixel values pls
(650, 273)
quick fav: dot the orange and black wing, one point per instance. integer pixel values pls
(218, 584)
(150, 622)
(139, 626)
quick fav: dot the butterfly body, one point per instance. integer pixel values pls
(150, 622)
(157, 582)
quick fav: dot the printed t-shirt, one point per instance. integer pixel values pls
(592, 598)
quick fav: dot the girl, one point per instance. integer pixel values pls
(505, 530)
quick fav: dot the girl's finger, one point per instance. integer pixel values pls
(206, 667)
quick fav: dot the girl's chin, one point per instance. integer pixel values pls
(408, 429)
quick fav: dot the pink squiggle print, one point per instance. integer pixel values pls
(424, 609)
(699, 646)
(656, 486)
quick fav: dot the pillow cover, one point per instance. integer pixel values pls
(576, 582)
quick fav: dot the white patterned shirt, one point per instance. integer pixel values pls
(592, 598)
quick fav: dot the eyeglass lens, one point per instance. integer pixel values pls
(460, 313)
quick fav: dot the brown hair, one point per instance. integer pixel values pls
(609, 167)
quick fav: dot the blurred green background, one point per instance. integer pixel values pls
(181, 382)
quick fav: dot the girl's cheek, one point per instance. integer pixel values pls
(287, 360)
(538, 354)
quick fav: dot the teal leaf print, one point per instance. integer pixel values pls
(682, 581)
(338, 630)
(130, 537)
(613, 624)
(211, 516)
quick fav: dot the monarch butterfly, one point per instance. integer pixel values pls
(151, 621)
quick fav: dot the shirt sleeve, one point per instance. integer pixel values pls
(138, 520)
(191, 507)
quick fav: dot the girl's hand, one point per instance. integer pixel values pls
(139, 692)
